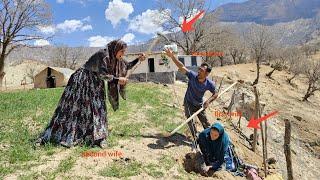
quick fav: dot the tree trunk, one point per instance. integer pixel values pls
(2, 73)
(287, 149)
(221, 60)
(241, 56)
(258, 73)
(290, 79)
(1, 80)
(234, 57)
(308, 94)
(269, 74)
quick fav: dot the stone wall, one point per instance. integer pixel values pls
(156, 77)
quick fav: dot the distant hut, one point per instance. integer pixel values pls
(52, 77)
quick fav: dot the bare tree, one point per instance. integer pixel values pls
(277, 57)
(218, 43)
(295, 63)
(67, 57)
(174, 11)
(19, 22)
(312, 72)
(309, 49)
(237, 50)
(60, 56)
(259, 41)
(30, 72)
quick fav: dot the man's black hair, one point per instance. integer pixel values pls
(208, 67)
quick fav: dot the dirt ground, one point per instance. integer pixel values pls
(286, 99)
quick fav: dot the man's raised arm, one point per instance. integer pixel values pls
(179, 64)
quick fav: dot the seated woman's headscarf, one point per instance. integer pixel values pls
(117, 69)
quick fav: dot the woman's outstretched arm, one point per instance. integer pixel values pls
(131, 64)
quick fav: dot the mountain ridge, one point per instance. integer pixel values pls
(269, 12)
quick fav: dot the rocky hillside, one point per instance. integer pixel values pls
(270, 11)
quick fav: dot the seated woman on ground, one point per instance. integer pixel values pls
(214, 143)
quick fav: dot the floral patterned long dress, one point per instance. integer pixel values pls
(81, 115)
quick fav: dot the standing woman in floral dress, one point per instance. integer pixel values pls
(81, 115)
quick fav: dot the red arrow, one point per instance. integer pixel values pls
(254, 123)
(187, 26)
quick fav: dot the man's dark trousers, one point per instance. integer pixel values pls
(190, 109)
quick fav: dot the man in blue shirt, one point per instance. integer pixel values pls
(198, 84)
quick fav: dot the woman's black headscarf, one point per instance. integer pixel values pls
(118, 68)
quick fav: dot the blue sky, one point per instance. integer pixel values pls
(95, 22)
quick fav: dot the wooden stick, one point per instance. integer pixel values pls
(287, 149)
(239, 121)
(263, 146)
(201, 109)
(256, 113)
(184, 123)
(221, 83)
(231, 103)
(173, 106)
(266, 137)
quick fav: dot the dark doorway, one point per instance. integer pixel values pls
(51, 79)
(193, 61)
(181, 59)
(151, 64)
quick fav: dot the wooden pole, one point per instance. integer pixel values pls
(220, 82)
(263, 146)
(256, 114)
(263, 150)
(239, 121)
(231, 103)
(287, 149)
(266, 137)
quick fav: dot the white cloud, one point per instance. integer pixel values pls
(149, 22)
(86, 19)
(99, 41)
(41, 42)
(60, 1)
(69, 26)
(128, 38)
(48, 30)
(86, 28)
(118, 10)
